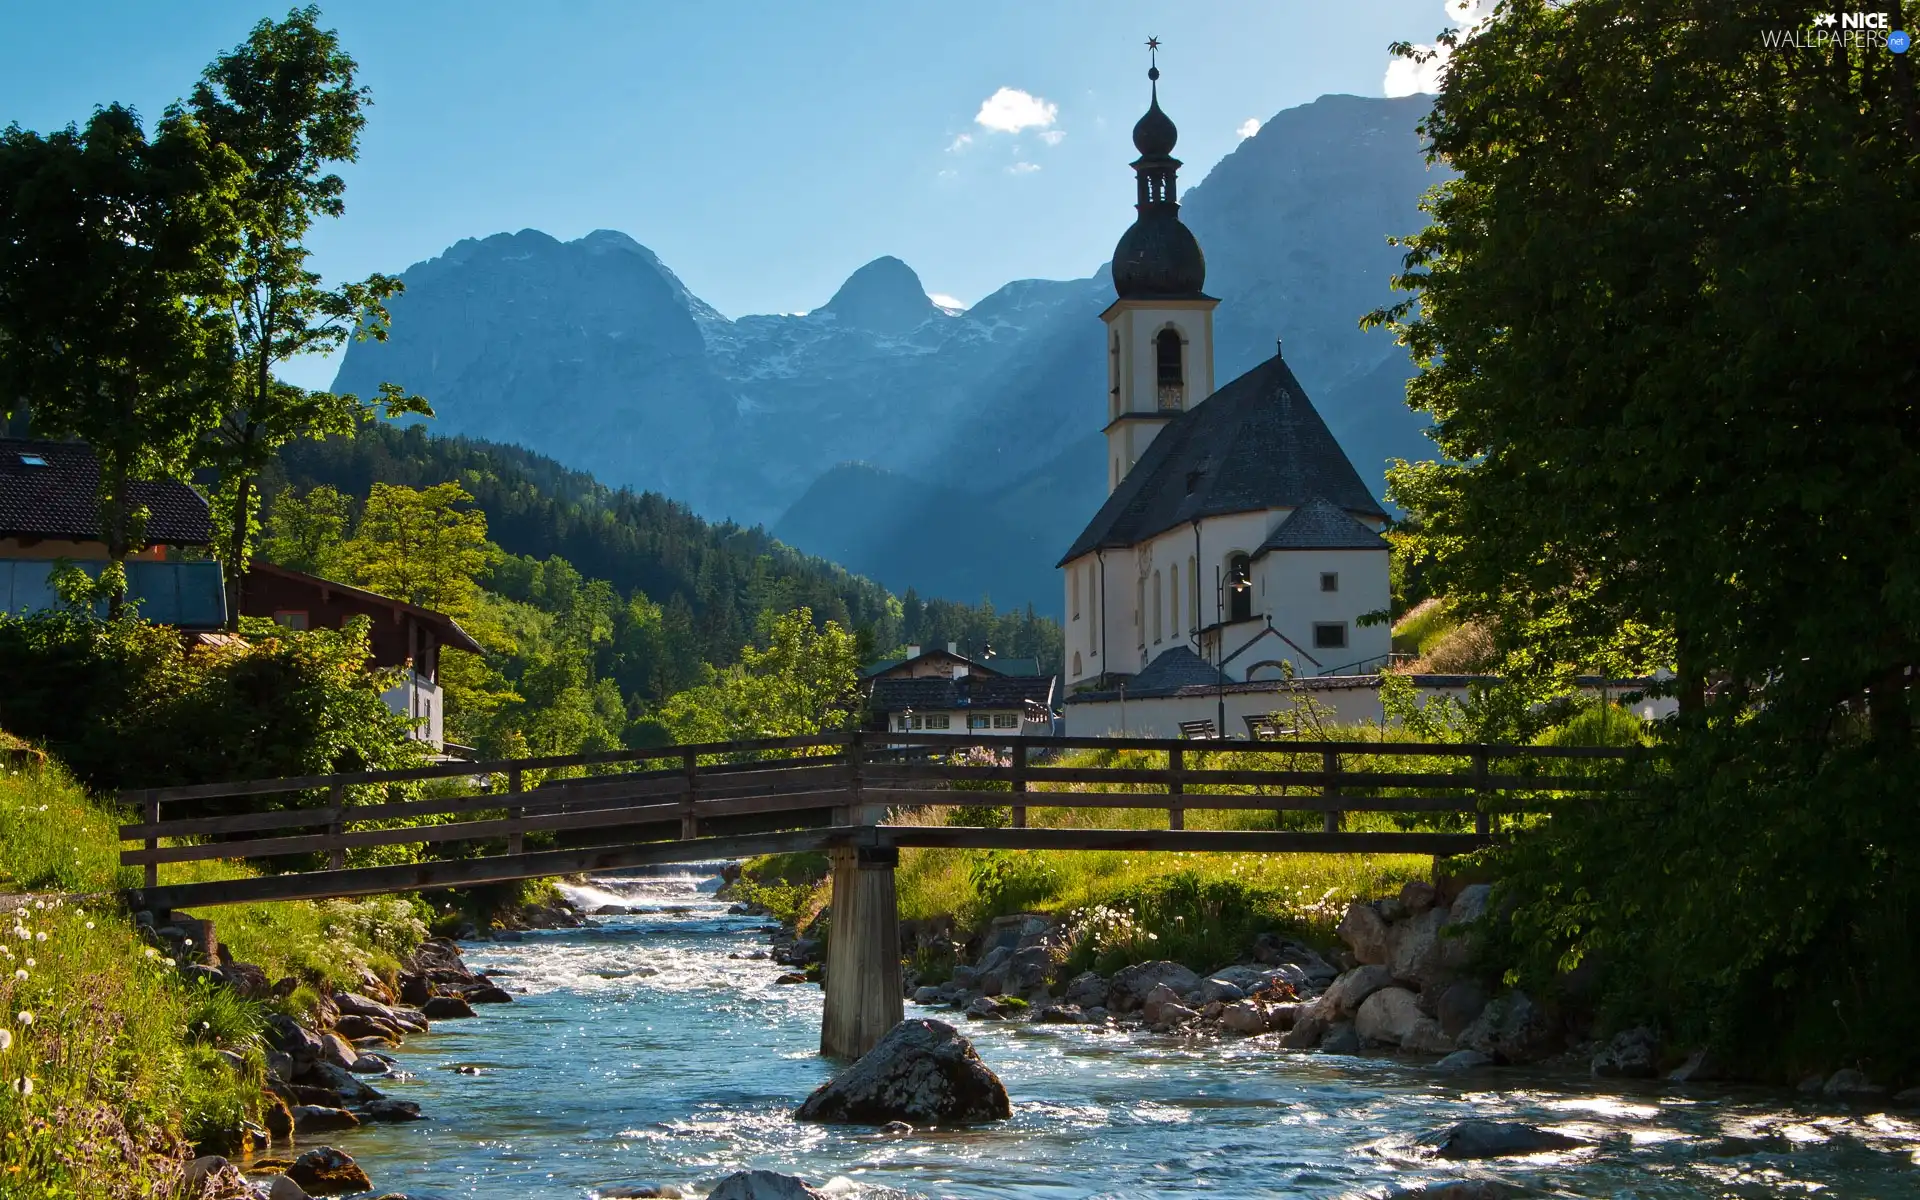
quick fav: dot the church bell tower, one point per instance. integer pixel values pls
(1160, 328)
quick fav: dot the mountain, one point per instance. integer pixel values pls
(954, 452)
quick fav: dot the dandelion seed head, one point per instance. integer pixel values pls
(24, 1017)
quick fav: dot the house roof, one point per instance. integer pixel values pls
(968, 691)
(444, 627)
(989, 666)
(1256, 443)
(1319, 524)
(51, 490)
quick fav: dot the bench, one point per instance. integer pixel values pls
(1266, 729)
(1198, 731)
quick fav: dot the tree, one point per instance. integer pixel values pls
(285, 102)
(806, 680)
(304, 533)
(1661, 330)
(419, 546)
(113, 322)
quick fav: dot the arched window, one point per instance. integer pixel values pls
(1173, 599)
(1076, 664)
(1239, 588)
(1140, 611)
(1116, 472)
(1169, 373)
(1157, 627)
(1073, 586)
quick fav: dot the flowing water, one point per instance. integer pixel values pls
(649, 1049)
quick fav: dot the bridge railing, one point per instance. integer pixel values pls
(849, 781)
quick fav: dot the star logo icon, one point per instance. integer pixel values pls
(1825, 19)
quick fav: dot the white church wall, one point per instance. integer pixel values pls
(1290, 585)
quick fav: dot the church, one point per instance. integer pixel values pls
(1237, 547)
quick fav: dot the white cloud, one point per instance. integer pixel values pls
(1249, 127)
(960, 143)
(948, 173)
(1405, 77)
(1053, 137)
(1023, 168)
(1010, 110)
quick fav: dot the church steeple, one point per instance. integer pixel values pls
(1158, 256)
(1160, 327)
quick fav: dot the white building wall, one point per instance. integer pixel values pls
(422, 701)
(1289, 585)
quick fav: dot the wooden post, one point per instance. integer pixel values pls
(1482, 819)
(1330, 763)
(1019, 784)
(856, 775)
(153, 840)
(689, 824)
(1176, 814)
(516, 841)
(863, 952)
(336, 826)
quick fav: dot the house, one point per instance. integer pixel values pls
(403, 635)
(944, 691)
(50, 510)
(1237, 540)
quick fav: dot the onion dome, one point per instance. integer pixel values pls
(1154, 134)
(1157, 258)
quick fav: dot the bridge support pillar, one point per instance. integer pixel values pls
(863, 952)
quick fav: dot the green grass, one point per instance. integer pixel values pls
(1421, 629)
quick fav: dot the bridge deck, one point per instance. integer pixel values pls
(731, 800)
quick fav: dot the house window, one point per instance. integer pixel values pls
(290, 619)
(1168, 373)
(1329, 581)
(1239, 588)
(1005, 721)
(919, 722)
(939, 720)
(979, 721)
(1156, 609)
(903, 724)
(32, 460)
(1330, 635)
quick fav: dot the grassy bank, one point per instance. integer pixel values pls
(110, 1058)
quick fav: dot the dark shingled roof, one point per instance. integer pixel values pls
(968, 691)
(61, 499)
(1256, 443)
(1319, 525)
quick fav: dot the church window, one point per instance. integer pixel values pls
(1140, 611)
(1239, 588)
(1329, 581)
(1193, 588)
(1076, 664)
(1173, 598)
(1330, 635)
(1170, 376)
(1157, 627)
(1073, 585)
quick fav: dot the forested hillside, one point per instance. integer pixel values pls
(715, 580)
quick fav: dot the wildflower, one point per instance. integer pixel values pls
(170, 962)
(24, 1086)
(41, 936)
(151, 952)
(21, 932)
(89, 924)
(6, 1039)
(24, 1017)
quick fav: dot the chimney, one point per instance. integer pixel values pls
(953, 647)
(913, 651)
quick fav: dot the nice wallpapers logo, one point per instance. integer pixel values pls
(1868, 30)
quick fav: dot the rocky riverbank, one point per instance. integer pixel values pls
(321, 1071)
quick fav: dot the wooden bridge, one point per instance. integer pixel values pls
(859, 797)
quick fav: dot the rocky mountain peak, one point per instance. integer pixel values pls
(885, 296)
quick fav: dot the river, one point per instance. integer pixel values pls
(642, 1050)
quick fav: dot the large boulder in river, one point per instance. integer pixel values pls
(1364, 932)
(762, 1185)
(1388, 1016)
(922, 1072)
(1132, 984)
(328, 1172)
(1496, 1139)
(1414, 952)
(1344, 998)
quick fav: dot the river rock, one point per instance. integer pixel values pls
(1087, 989)
(353, 1004)
(488, 993)
(279, 1065)
(360, 1028)
(328, 1172)
(442, 1008)
(1309, 1026)
(922, 1072)
(1463, 1060)
(315, 1118)
(1285, 1015)
(1340, 1039)
(1426, 1037)
(1244, 1016)
(1850, 1082)
(763, 1185)
(1364, 932)
(1459, 1004)
(1221, 991)
(925, 995)
(1388, 1016)
(279, 1187)
(1700, 1067)
(337, 1079)
(1413, 948)
(1417, 895)
(301, 1045)
(1157, 999)
(1131, 984)
(275, 1115)
(1632, 1054)
(1028, 969)
(641, 1191)
(1459, 1189)
(338, 1051)
(1351, 990)
(1495, 1139)
(1511, 1029)
(389, 1111)
(371, 1064)
(985, 1008)
(1172, 1016)
(1060, 1014)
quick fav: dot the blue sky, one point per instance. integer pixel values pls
(763, 150)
